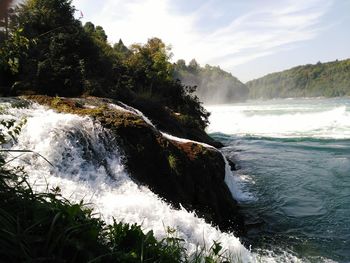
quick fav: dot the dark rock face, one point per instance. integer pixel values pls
(182, 173)
(186, 174)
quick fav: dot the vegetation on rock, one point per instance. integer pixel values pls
(183, 173)
(47, 51)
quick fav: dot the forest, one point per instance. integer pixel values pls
(331, 79)
(44, 49)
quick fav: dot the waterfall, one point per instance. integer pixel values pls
(87, 165)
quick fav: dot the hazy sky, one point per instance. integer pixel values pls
(248, 38)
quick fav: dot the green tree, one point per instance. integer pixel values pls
(121, 49)
(193, 66)
(65, 58)
(151, 64)
(181, 64)
(89, 27)
(100, 33)
(96, 32)
(12, 52)
(52, 64)
(39, 17)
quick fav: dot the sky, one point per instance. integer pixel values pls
(249, 38)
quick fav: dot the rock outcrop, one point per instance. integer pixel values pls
(185, 174)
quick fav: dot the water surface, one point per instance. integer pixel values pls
(294, 167)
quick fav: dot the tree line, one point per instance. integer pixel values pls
(330, 79)
(44, 49)
(214, 85)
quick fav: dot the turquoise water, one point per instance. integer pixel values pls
(293, 160)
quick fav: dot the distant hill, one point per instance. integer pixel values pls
(322, 79)
(214, 85)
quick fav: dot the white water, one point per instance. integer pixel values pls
(88, 166)
(87, 169)
(137, 112)
(234, 182)
(237, 183)
(278, 120)
(301, 183)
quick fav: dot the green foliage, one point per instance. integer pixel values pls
(172, 162)
(152, 74)
(101, 34)
(214, 85)
(12, 51)
(140, 247)
(151, 64)
(51, 30)
(60, 57)
(39, 17)
(96, 32)
(322, 79)
(10, 129)
(53, 54)
(121, 50)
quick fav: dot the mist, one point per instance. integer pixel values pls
(214, 85)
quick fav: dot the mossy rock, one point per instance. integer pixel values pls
(185, 174)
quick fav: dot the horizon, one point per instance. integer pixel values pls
(247, 39)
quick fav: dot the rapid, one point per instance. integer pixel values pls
(294, 171)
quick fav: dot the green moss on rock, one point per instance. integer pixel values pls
(185, 174)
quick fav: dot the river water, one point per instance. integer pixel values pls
(293, 158)
(292, 180)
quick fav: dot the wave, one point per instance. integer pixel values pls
(277, 122)
(227, 139)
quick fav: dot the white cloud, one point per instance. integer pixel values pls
(261, 31)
